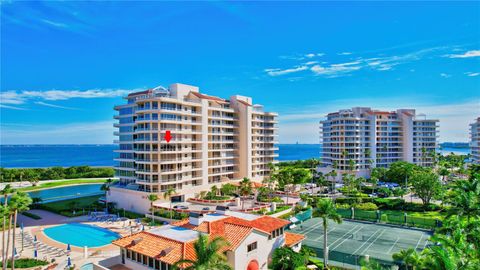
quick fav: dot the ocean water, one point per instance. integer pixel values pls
(35, 156)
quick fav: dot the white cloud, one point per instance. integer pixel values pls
(311, 63)
(55, 106)
(310, 55)
(21, 97)
(445, 75)
(11, 107)
(380, 63)
(472, 74)
(345, 53)
(56, 24)
(278, 72)
(335, 69)
(468, 54)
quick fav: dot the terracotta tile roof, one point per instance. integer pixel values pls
(234, 230)
(155, 246)
(292, 239)
(265, 224)
(202, 96)
(253, 183)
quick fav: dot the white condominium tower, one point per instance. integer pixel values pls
(360, 138)
(475, 140)
(213, 140)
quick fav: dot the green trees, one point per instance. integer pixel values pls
(400, 171)
(426, 185)
(325, 209)
(168, 195)
(227, 189)
(285, 180)
(106, 187)
(409, 257)
(285, 258)
(19, 202)
(54, 173)
(457, 242)
(207, 255)
(245, 189)
(7, 190)
(152, 198)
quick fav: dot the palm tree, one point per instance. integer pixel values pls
(245, 189)
(152, 198)
(325, 209)
(19, 202)
(315, 162)
(168, 195)
(334, 176)
(442, 171)
(409, 257)
(106, 187)
(5, 192)
(208, 255)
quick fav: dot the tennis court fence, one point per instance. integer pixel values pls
(389, 218)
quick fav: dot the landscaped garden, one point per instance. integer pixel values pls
(74, 207)
(26, 263)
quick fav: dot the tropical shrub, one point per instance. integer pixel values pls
(367, 206)
(26, 263)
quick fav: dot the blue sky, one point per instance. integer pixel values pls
(65, 64)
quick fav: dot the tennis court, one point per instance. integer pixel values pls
(350, 241)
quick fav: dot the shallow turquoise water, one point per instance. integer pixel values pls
(81, 235)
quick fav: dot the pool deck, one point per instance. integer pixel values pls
(35, 228)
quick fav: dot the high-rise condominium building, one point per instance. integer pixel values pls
(213, 140)
(359, 139)
(475, 140)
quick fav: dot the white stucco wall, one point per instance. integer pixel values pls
(129, 200)
(240, 258)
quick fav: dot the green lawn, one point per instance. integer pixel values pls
(65, 207)
(59, 183)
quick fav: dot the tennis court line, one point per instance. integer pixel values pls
(308, 230)
(390, 249)
(418, 243)
(365, 250)
(347, 238)
(349, 231)
(373, 234)
(321, 234)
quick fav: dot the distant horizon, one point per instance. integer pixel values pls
(59, 144)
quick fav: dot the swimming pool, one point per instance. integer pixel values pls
(80, 235)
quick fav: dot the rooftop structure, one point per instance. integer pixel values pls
(180, 138)
(360, 138)
(251, 241)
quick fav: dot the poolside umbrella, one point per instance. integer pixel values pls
(68, 247)
(35, 253)
(69, 262)
(21, 226)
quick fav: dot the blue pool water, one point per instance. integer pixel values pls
(68, 192)
(81, 235)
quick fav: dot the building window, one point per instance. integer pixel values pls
(252, 246)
